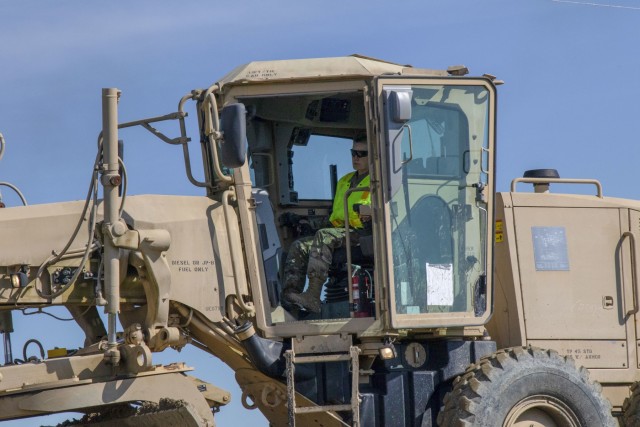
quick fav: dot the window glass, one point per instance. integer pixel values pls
(438, 220)
(311, 165)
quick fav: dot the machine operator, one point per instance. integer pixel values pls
(311, 256)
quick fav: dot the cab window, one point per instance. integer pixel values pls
(312, 165)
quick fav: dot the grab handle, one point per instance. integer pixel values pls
(634, 275)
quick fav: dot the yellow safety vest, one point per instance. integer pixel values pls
(361, 197)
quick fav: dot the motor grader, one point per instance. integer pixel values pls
(456, 307)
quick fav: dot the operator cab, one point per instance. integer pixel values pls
(436, 173)
(430, 140)
(299, 148)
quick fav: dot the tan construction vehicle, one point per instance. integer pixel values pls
(457, 307)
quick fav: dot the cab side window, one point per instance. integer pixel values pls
(311, 165)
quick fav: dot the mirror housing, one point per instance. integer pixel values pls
(400, 106)
(233, 125)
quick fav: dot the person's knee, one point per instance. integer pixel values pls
(298, 250)
(296, 247)
(327, 236)
(318, 237)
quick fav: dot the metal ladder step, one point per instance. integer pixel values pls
(354, 406)
(326, 358)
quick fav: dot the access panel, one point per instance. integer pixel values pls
(573, 267)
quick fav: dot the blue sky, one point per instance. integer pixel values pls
(568, 101)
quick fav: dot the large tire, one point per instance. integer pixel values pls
(631, 408)
(524, 387)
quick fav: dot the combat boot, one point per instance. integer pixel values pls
(310, 299)
(285, 300)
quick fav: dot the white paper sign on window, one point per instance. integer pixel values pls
(439, 284)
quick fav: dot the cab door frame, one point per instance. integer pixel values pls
(380, 102)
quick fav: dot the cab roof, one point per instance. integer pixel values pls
(353, 66)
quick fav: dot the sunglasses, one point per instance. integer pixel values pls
(359, 153)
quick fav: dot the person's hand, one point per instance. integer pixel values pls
(365, 218)
(364, 213)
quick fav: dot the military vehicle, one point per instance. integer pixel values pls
(457, 307)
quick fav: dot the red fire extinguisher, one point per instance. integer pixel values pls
(360, 306)
(355, 294)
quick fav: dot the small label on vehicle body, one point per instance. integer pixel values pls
(550, 248)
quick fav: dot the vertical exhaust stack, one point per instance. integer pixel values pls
(541, 187)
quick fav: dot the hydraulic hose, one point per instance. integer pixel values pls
(236, 253)
(268, 355)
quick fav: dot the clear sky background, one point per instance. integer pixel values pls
(569, 101)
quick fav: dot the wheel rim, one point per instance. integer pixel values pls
(541, 411)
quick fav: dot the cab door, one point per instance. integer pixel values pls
(437, 142)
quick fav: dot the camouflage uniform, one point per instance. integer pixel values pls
(311, 256)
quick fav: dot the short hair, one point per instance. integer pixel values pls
(360, 138)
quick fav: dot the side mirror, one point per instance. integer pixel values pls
(400, 106)
(233, 125)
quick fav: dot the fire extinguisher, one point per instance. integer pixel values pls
(355, 294)
(360, 308)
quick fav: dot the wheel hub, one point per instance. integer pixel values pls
(541, 411)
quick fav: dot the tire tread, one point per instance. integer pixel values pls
(463, 404)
